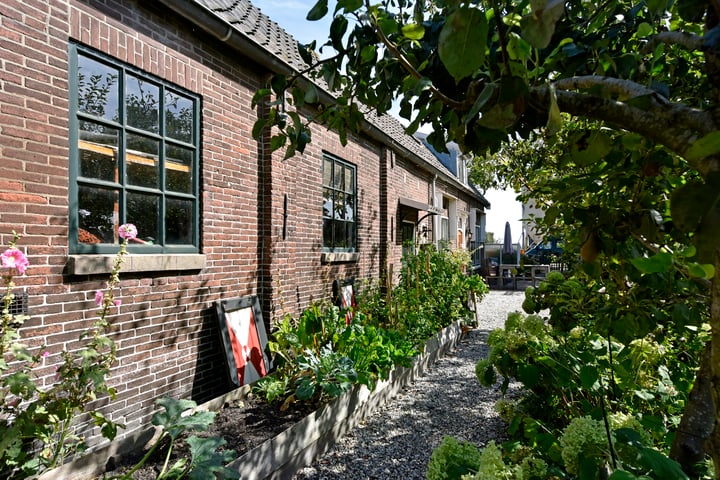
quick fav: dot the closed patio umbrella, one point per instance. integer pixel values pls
(507, 240)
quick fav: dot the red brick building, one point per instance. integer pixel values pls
(116, 111)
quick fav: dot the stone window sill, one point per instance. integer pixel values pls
(339, 257)
(99, 264)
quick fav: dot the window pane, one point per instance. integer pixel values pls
(97, 215)
(327, 203)
(179, 113)
(339, 177)
(142, 160)
(98, 147)
(179, 221)
(340, 232)
(327, 232)
(327, 172)
(178, 169)
(349, 180)
(143, 210)
(350, 234)
(349, 207)
(97, 89)
(339, 205)
(142, 103)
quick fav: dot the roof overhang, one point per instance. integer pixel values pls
(409, 202)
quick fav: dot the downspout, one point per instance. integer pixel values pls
(434, 219)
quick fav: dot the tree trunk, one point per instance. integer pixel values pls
(713, 445)
(696, 426)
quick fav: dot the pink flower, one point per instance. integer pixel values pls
(117, 302)
(127, 231)
(45, 354)
(14, 258)
(99, 297)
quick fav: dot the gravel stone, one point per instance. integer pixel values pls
(397, 439)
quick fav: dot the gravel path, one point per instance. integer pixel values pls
(396, 441)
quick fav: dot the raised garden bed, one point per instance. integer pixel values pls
(308, 436)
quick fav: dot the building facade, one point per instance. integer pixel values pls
(121, 111)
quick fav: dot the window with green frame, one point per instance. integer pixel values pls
(134, 158)
(339, 205)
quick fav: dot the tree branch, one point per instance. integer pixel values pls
(618, 87)
(689, 41)
(675, 126)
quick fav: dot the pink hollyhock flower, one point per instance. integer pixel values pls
(99, 297)
(45, 354)
(117, 302)
(127, 231)
(14, 258)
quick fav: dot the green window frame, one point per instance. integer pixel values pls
(339, 205)
(134, 158)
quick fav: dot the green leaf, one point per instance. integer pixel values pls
(658, 263)
(318, 11)
(538, 27)
(258, 128)
(413, 31)
(348, 6)
(644, 30)
(338, 27)
(259, 95)
(306, 52)
(590, 147)
(462, 42)
(174, 422)
(622, 475)
(644, 394)
(695, 207)
(388, 26)
(367, 54)
(692, 10)
(278, 84)
(311, 94)
(704, 147)
(589, 376)
(554, 121)
(706, 271)
(305, 389)
(482, 99)
(528, 375)
(207, 460)
(277, 142)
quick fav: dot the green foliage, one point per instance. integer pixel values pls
(452, 459)
(417, 306)
(37, 424)
(322, 354)
(324, 373)
(178, 419)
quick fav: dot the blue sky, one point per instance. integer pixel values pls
(290, 14)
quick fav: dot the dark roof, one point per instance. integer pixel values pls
(245, 18)
(449, 158)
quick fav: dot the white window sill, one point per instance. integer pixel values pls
(340, 257)
(97, 264)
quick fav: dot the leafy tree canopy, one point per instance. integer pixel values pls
(481, 72)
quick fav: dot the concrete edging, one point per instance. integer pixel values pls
(296, 447)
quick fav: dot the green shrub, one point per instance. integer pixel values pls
(452, 459)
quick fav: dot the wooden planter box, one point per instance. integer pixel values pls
(283, 455)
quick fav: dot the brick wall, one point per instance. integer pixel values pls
(165, 329)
